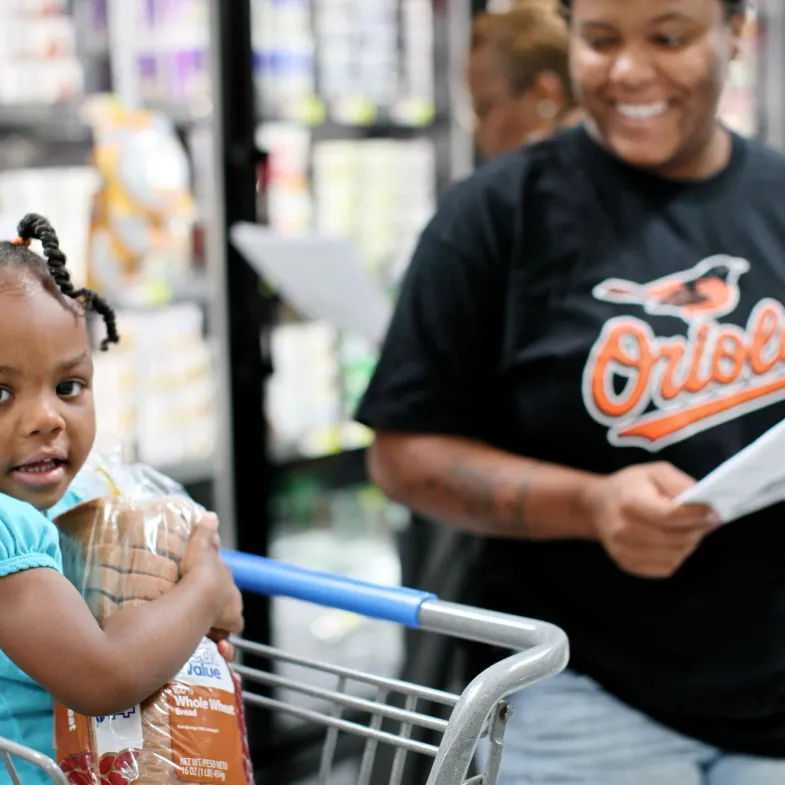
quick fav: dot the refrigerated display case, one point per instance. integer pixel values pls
(358, 133)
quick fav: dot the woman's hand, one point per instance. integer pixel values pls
(640, 525)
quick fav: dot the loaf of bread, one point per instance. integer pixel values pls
(120, 553)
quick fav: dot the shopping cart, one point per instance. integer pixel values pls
(481, 710)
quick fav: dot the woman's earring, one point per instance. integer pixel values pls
(547, 109)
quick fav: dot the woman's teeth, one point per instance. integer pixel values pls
(642, 111)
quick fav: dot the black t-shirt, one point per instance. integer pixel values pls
(565, 307)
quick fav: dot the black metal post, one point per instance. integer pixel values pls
(247, 316)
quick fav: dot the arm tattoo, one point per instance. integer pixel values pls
(520, 520)
(482, 496)
(477, 489)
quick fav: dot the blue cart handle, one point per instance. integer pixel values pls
(261, 575)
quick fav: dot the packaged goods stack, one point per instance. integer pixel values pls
(39, 64)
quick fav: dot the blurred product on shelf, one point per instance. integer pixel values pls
(142, 232)
(164, 45)
(156, 391)
(289, 203)
(172, 51)
(303, 394)
(352, 62)
(378, 192)
(284, 51)
(319, 376)
(38, 59)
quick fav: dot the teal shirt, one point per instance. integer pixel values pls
(28, 540)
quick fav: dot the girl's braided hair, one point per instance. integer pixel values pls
(732, 7)
(52, 273)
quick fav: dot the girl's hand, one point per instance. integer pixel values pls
(225, 649)
(202, 564)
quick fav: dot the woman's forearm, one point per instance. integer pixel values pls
(481, 489)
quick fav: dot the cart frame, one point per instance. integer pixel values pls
(541, 651)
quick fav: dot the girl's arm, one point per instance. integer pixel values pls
(47, 629)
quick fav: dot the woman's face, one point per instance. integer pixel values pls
(504, 119)
(650, 74)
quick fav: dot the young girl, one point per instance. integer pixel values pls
(50, 644)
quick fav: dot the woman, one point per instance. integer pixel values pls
(587, 326)
(518, 76)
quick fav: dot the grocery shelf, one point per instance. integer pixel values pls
(380, 127)
(58, 122)
(183, 114)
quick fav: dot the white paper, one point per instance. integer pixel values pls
(752, 479)
(322, 277)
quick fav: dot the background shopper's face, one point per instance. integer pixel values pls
(650, 74)
(505, 120)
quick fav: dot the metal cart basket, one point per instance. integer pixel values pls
(541, 652)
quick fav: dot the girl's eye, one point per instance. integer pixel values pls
(602, 44)
(5, 395)
(70, 389)
(671, 41)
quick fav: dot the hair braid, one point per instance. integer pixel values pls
(36, 227)
(106, 312)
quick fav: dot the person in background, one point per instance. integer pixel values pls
(588, 326)
(518, 76)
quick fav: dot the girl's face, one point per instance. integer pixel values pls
(650, 74)
(47, 416)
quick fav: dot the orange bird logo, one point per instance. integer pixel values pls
(706, 291)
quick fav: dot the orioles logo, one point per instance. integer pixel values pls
(653, 391)
(708, 290)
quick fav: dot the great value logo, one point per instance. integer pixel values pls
(207, 668)
(204, 664)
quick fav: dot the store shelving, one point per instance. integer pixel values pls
(308, 497)
(61, 121)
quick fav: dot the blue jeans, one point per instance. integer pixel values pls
(569, 731)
